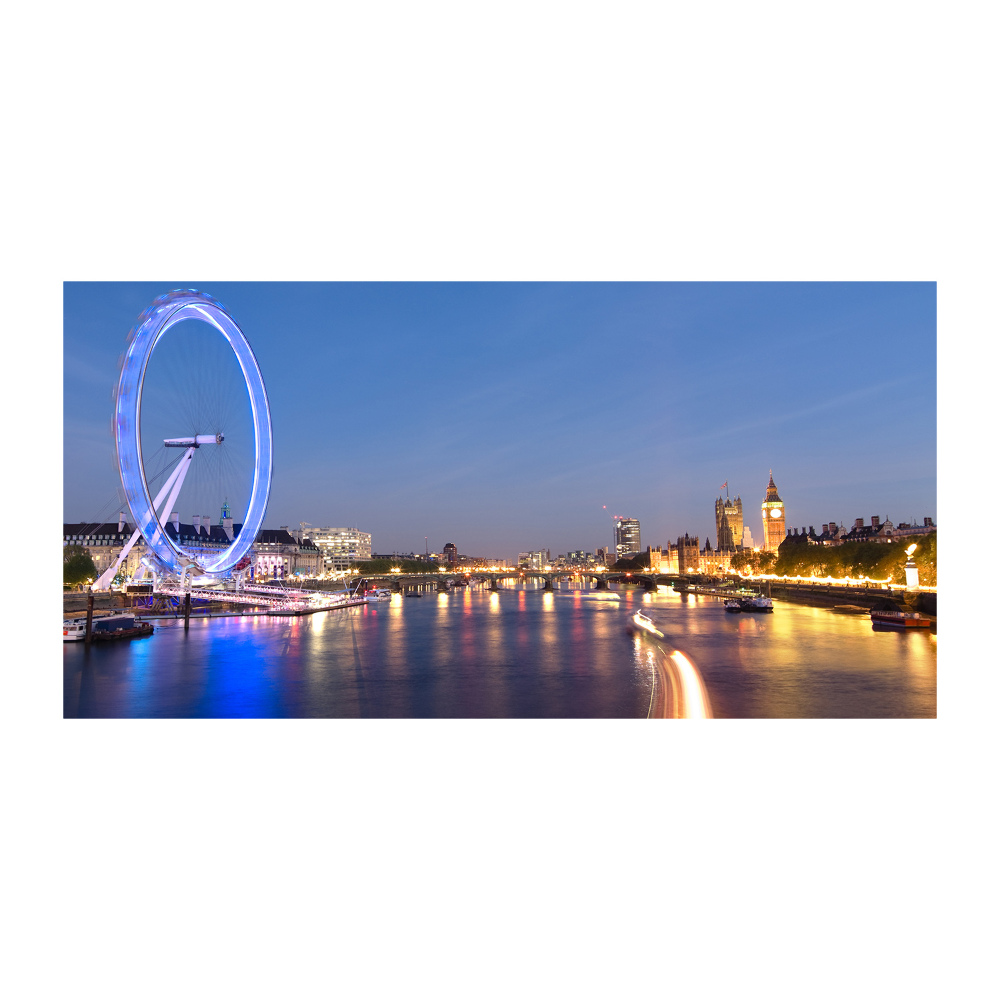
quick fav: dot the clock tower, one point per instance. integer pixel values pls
(772, 510)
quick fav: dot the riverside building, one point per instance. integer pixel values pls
(276, 554)
(341, 547)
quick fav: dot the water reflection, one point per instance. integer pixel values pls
(517, 652)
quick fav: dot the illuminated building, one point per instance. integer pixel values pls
(717, 562)
(772, 512)
(627, 541)
(451, 554)
(104, 542)
(728, 523)
(275, 552)
(533, 560)
(688, 556)
(342, 546)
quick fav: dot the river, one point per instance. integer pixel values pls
(520, 653)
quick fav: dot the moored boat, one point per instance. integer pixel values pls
(900, 619)
(756, 604)
(734, 605)
(122, 626)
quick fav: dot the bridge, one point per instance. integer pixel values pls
(400, 582)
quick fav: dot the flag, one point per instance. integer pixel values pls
(724, 485)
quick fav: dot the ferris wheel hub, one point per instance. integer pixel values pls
(194, 442)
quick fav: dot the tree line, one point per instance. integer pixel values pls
(877, 560)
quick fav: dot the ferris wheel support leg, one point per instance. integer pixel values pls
(173, 486)
(104, 580)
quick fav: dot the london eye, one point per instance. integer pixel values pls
(192, 432)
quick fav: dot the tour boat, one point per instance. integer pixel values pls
(756, 604)
(122, 626)
(900, 619)
(734, 606)
(379, 594)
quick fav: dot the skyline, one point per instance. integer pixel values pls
(507, 417)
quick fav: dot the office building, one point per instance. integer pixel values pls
(627, 541)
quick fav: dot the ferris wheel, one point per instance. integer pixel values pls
(197, 391)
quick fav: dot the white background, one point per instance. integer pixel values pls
(514, 858)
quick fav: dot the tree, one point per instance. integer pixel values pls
(754, 562)
(78, 567)
(742, 560)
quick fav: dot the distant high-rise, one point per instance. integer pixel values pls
(772, 512)
(627, 541)
(728, 523)
(451, 554)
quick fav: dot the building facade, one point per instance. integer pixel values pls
(688, 556)
(728, 523)
(104, 542)
(276, 554)
(772, 512)
(342, 547)
(627, 538)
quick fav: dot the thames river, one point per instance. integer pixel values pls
(514, 654)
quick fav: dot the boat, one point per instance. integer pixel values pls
(900, 619)
(734, 605)
(122, 626)
(645, 623)
(756, 604)
(378, 594)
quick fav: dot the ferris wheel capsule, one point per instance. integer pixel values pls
(163, 313)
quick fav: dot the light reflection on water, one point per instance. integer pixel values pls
(517, 653)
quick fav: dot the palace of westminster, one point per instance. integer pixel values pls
(733, 535)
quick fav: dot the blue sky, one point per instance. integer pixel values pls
(505, 416)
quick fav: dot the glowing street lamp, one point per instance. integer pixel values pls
(912, 576)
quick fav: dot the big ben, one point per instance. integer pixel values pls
(772, 510)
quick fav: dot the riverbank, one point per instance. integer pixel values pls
(824, 595)
(828, 596)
